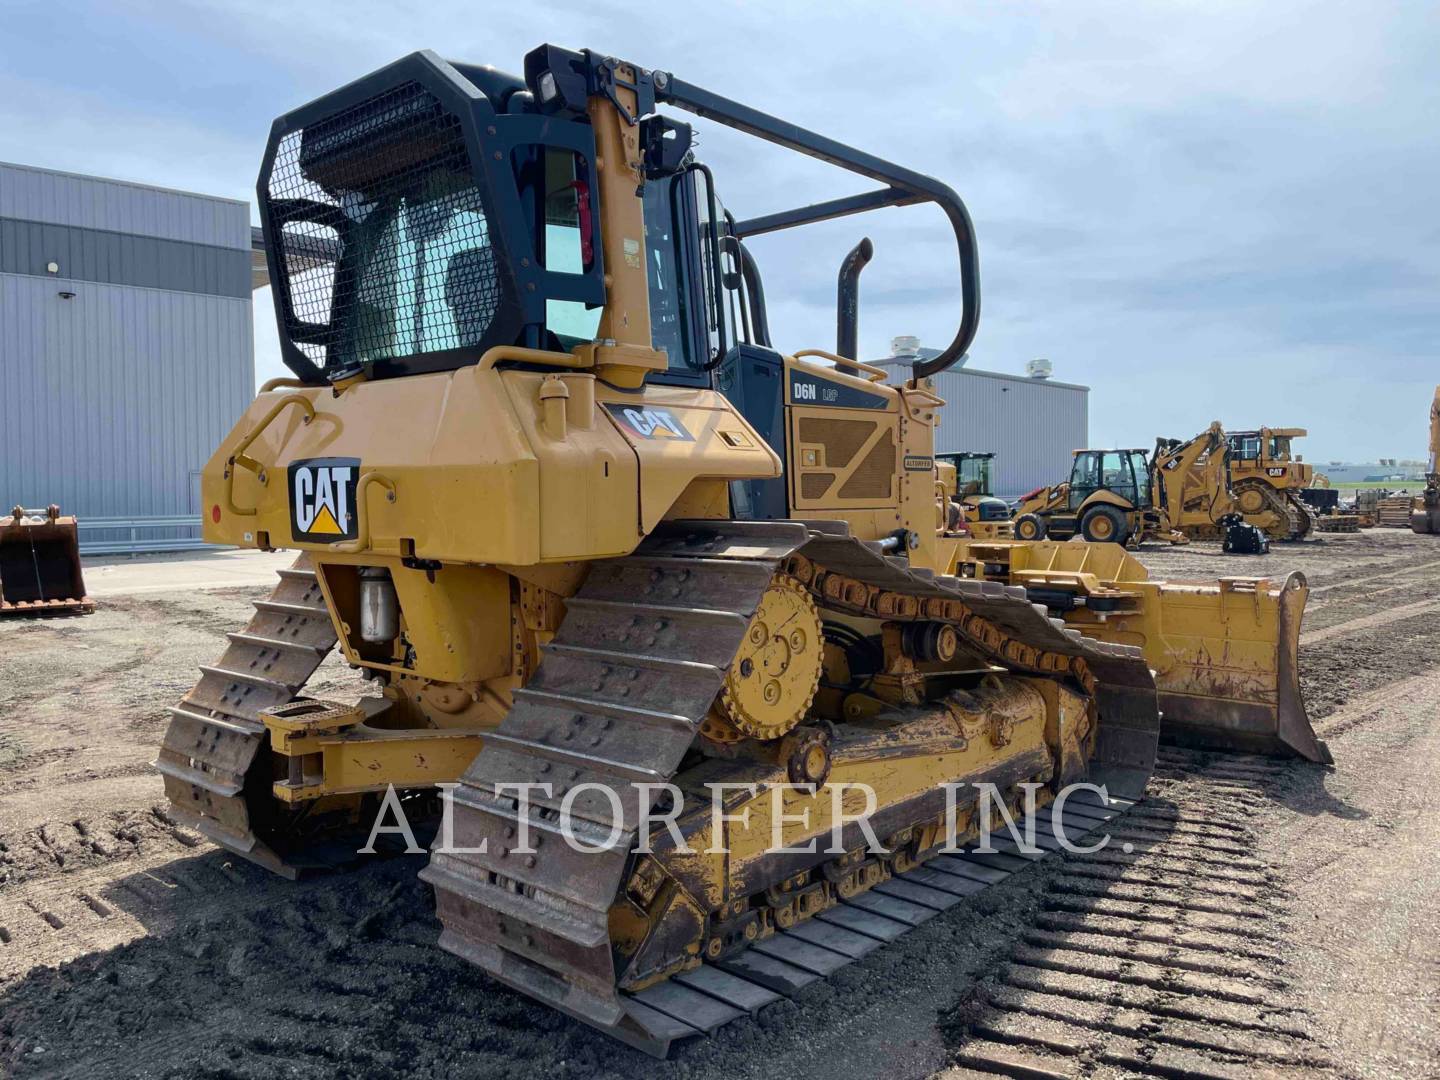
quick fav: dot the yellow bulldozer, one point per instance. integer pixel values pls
(655, 640)
(1124, 496)
(1267, 478)
(968, 497)
(1425, 511)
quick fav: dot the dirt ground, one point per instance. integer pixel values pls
(1275, 919)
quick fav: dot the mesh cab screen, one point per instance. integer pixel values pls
(381, 233)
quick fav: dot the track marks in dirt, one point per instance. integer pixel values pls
(1367, 622)
(1364, 583)
(1166, 961)
(264, 978)
(60, 847)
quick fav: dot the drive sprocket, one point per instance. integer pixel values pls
(769, 686)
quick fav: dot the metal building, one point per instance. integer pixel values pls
(126, 349)
(1031, 424)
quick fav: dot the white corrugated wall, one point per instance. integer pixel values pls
(92, 202)
(1031, 425)
(111, 400)
(114, 398)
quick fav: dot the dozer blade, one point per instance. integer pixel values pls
(40, 564)
(1225, 653)
(1229, 676)
(619, 701)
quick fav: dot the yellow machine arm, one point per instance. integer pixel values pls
(1425, 512)
(1190, 480)
(1433, 469)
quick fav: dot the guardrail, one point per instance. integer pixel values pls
(131, 536)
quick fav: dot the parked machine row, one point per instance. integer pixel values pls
(1217, 485)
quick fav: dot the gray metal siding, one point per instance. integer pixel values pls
(93, 203)
(1031, 425)
(114, 399)
(28, 247)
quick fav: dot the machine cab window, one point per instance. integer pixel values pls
(1085, 477)
(1245, 447)
(1140, 470)
(566, 246)
(1104, 470)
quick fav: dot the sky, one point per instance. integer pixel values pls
(1207, 210)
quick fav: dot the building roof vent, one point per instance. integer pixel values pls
(1039, 369)
(905, 347)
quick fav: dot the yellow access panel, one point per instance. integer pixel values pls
(844, 441)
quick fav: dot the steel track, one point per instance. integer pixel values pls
(620, 697)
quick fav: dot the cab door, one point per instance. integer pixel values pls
(1085, 477)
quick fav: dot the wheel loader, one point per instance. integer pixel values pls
(589, 588)
(1425, 511)
(965, 485)
(1120, 496)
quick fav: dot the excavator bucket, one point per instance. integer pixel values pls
(1225, 653)
(40, 564)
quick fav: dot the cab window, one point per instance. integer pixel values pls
(566, 248)
(677, 273)
(667, 243)
(727, 313)
(1084, 478)
(1246, 447)
(1118, 477)
(1140, 465)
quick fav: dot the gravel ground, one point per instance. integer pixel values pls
(129, 946)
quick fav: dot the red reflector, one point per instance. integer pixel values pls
(215, 513)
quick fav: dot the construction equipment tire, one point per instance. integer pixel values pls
(1104, 525)
(1030, 527)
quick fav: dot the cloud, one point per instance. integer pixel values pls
(1200, 209)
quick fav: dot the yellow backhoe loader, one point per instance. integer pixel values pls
(965, 486)
(595, 594)
(1425, 514)
(1120, 496)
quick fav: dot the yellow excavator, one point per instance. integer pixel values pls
(654, 639)
(1425, 511)
(1124, 496)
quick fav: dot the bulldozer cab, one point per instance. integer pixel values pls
(388, 269)
(1271, 451)
(494, 230)
(1267, 445)
(1124, 473)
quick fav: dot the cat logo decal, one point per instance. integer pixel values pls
(322, 498)
(649, 422)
